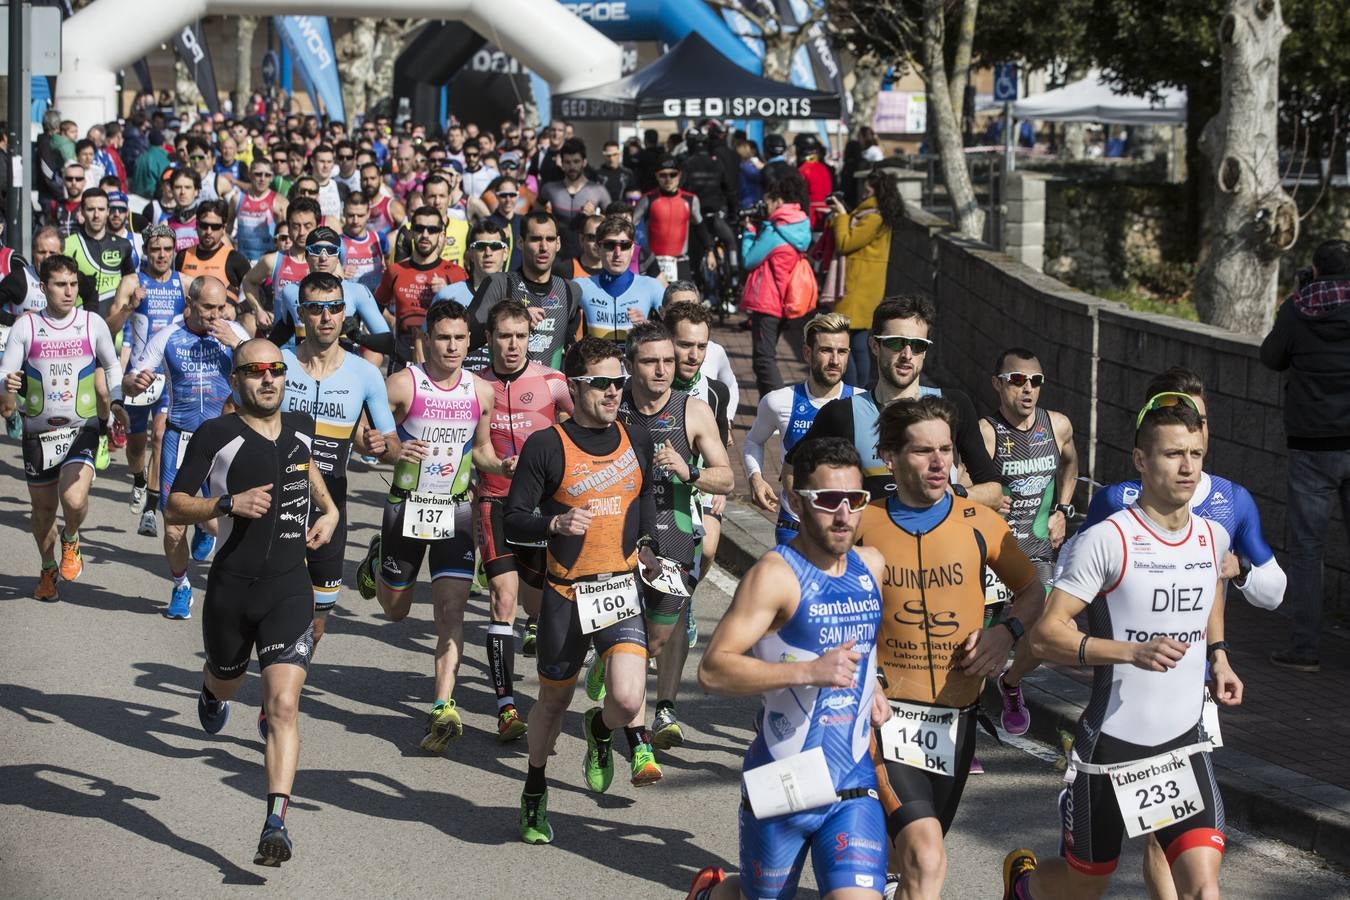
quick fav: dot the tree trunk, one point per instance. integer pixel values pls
(390, 39)
(777, 67)
(187, 96)
(355, 52)
(946, 127)
(243, 68)
(965, 40)
(1254, 220)
(867, 73)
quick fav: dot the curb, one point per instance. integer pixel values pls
(1259, 796)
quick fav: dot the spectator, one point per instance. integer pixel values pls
(150, 166)
(863, 239)
(769, 255)
(1311, 341)
(750, 177)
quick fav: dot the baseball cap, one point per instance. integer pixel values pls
(667, 162)
(117, 198)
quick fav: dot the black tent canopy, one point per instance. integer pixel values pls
(692, 81)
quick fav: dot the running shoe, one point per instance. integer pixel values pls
(72, 563)
(365, 573)
(691, 627)
(510, 726)
(479, 585)
(595, 680)
(274, 847)
(534, 827)
(666, 732)
(443, 726)
(598, 764)
(262, 725)
(892, 886)
(149, 526)
(1016, 866)
(1288, 659)
(46, 589)
(117, 434)
(1016, 718)
(370, 460)
(203, 542)
(137, 501)
(645, 769)
(527, 643)
(14, 427)
(976, 767)
(102, 457)
(213, 716)
(707, 878)
(180, 604)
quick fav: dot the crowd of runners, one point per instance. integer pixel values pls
(529, 359)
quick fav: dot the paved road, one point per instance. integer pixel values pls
(108, 786)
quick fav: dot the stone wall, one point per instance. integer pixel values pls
(1099, 357)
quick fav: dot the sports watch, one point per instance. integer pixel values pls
(1067, 509)
(694, 473)
(1013, 624)
(225, 504)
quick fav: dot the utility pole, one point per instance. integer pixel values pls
(18, 134)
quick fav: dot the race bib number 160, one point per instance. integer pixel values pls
(602, 603)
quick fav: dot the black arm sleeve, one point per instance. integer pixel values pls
(835, 419)
(282, 331)
(720, 394)
(642, 446)
(539, 471)
(380, 343)
(969, 441)
(236, 267)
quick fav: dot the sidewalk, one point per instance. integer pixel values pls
(1285, 764)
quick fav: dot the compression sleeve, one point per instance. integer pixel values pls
(1096, 564)
(1266, 582)
(767, 418)
(718, 365)
(377, 400)
(969, 441)
(539, 471)
(380, 343)
(1265, 585)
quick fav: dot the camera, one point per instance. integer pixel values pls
(757, 212)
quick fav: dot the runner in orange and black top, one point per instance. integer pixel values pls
(529, 397)
(212, 255)
(407, 288)
(934, 653)
(582, 486)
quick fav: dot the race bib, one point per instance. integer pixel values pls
(921, 736)
(428, 517)
(149, 396)
(995, 591)
(1154, 793)
(184, 438)
(800, 782)
(669, 267)
(602, 603)
(56, 445)
(1209, 721)
(670, 581)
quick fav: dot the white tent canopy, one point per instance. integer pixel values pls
(1094, 100)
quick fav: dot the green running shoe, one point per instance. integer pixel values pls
(102, 458)
(443, 726)
(534, 827)
(595, 679)
(598, 766)
(365, 573)
(645, 769)
(531, 639)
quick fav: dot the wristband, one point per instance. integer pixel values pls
(1215, 648)
(1082, 651)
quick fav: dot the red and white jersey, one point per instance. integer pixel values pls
(380, 218)
(1141, 582)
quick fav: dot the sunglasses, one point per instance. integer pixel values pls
(898, 342)
(1165, 400)
(319, 306)
(343, 157)
(283, 239)
(210, 226)
(118, 209)
(321, 250)
(617, 245)
(426, 229)
(307, 193)
(830, 500)
(667, 174)
(603, 382)
(488, 245)
(436, 160)
(74, 180)
(197, 157)
(507, 195)
(258, 369)
(1018, 379)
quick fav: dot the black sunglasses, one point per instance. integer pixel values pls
(602, 382)
(617, 245)
(426, 229)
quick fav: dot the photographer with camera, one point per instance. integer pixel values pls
(862, 243)
(780, 289)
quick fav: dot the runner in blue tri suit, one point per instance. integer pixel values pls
(321, 253)
(160, 306)
(802, 631)
(197, 358)
(614, 299)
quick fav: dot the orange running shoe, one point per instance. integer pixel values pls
(72, 563)
(706, 879)
(46, 589)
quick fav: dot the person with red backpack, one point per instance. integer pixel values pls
(781, 288)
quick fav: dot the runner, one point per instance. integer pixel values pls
(363, 247)
(257, 213)
(615, 299)
(900, 340)
(674, 225)
(935, 653)
(1140, 762)
(589, 262)
(442, 194)
(486, 256)
(196, 358)
(690, 459)
(716, 363)
(443, 415)
(789, 412)
(528, 397)
(386, 211)
(582, 485)
(185, 185)
(554, 302)
(270, 274)
(212, 254)
(20, 287)
(123, 224)
(50, 362)
(103, 258)
(161, 297)
(573, 197)
(407, 287)
(254, 469)
(1037, 462)
(815, 664)
(340, 391)
(322, 252)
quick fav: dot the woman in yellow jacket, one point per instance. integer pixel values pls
(863, 239)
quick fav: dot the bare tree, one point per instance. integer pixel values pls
(868, 70)
(355, 52)
(1254, 220)
(243, 71)
(780, 43)
(946, 123)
